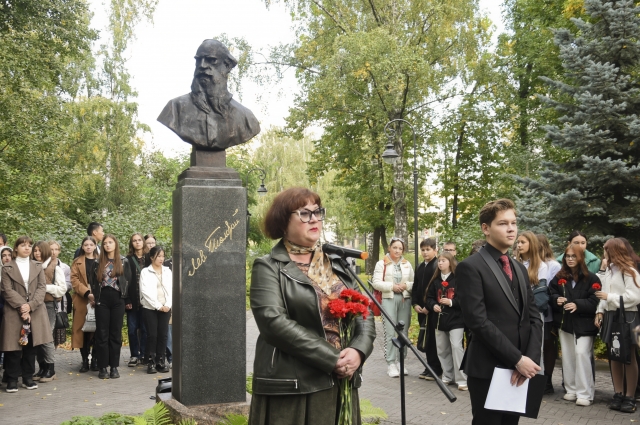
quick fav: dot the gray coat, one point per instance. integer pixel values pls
(15, 295)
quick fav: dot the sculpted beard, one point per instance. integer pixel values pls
(209, 91)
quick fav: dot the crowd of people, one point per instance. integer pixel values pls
(38, 291)
(495, 309)
(577, 296)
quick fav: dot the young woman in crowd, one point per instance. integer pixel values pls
(550, 332)
(619, 277)
(155, 297)
(149, 242)
(81, 269)
(441, 299)
(56, 288)
(393, 276)
(109, 282)
(579, 240)
(25, 325)
(5, 258)
(137, 261)
(60, 336)
(528, 253)
(574, 301)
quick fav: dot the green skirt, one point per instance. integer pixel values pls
(321, 408)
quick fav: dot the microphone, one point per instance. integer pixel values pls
(344, 252)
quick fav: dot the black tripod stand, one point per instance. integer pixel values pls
(401, 341)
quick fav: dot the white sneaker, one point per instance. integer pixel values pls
(406, 371)
(446, 381)
(463, 388)
(583, 402)
(570, 397)
(392, 371)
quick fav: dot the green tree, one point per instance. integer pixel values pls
(596, 189)
(362, 64)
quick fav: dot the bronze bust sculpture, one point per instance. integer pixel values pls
(208, 117)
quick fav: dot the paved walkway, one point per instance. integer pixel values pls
(75, 394)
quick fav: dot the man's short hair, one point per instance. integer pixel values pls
(449, 243)
(491, 209)
(429, 242)
(4, 238)
(92, 227)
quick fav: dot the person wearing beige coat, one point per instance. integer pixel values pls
(393, 276)
(24, 299)
(81, 291)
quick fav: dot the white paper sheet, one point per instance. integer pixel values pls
(504, 396)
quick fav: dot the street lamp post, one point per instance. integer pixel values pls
(390, 156)
(262, 190)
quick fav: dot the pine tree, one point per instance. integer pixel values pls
(597, 188)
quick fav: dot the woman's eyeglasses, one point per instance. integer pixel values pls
(305, 214)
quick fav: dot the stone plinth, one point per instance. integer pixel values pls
(209, 287)
(205, 414)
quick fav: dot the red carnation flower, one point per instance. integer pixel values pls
(338, 308)
(562, 282)
(445, 283)
(348, 294)
(596, 286)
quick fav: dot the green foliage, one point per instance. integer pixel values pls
(250, 383)
(157, 415)
(370, 414)
(596, 187)
(233, 419)
(106, 419)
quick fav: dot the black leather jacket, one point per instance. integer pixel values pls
(123, 281)
(292, 353)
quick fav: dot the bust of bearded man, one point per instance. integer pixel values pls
(208, 117)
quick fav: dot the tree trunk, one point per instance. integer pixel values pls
(383, 239)
(523, 95)
(456, 175)
(370, 263)
(398, 194)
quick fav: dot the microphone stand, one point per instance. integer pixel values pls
(401, 342)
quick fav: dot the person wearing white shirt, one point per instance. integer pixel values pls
(619, 279)
(155, 299)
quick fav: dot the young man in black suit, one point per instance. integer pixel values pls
(498, 307)
(427, 337)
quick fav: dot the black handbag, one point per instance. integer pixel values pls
(62, 320)
(620, 346)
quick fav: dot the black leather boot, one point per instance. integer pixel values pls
(85, 366)
(103, 373)
(41, 371)
(162, 366)
(94, 364)
(114, 373)
(151, 365)
(49, 374)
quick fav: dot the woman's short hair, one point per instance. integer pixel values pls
(277, 218)
(398, 239)
(55, 242)
(20, 241)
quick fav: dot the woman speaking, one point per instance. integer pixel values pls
(299, 357)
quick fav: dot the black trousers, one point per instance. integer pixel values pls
(21, 362)
(478, 390)
(157, 324)
(432, 350)
(108, 336)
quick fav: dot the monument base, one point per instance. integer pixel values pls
(207, 414)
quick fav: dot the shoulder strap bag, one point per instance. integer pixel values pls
(620, 339)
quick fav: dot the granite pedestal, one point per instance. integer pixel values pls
(209, 285)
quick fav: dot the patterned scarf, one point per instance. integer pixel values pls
(320, 271)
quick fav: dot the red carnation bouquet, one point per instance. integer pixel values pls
(563, 283)
(347, 308)
(596, 286)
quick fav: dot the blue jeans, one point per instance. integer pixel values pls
(135, 323)
(169, 342)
